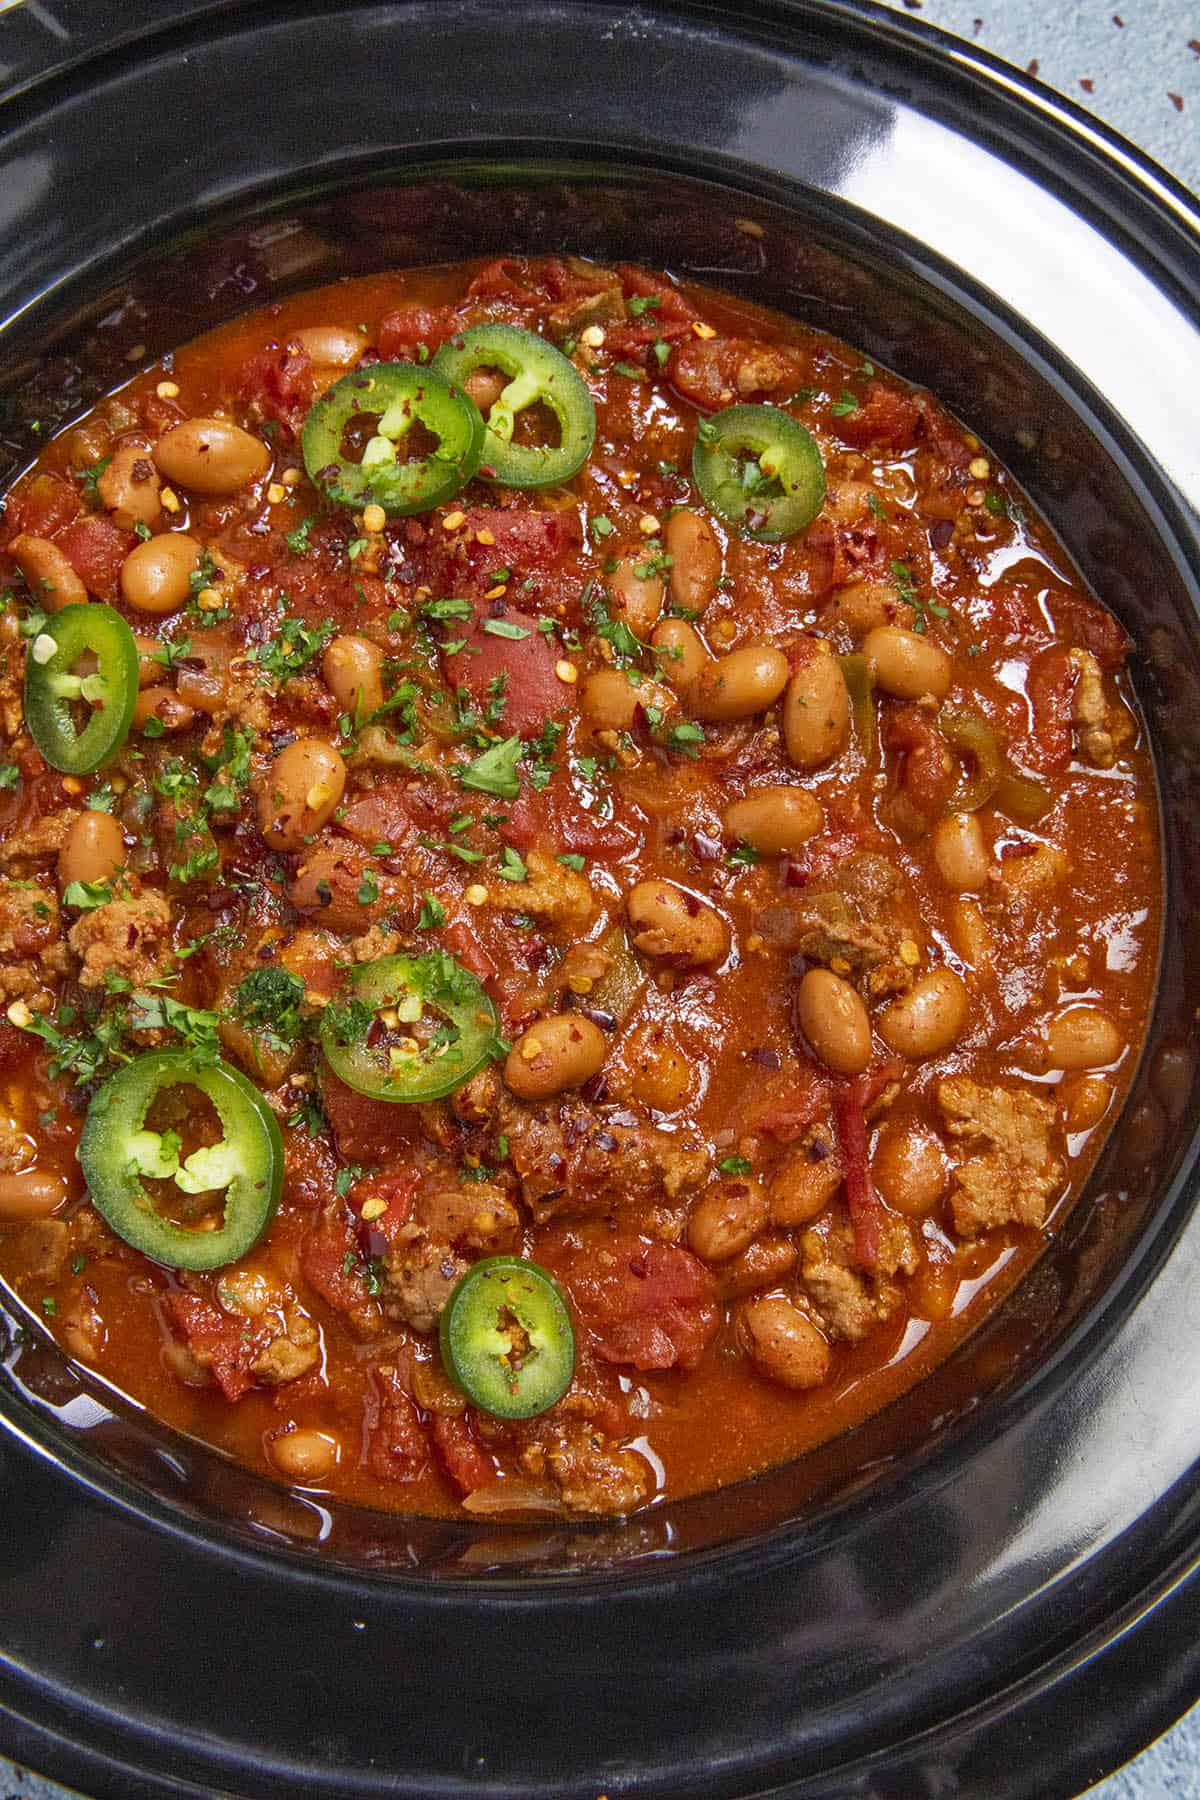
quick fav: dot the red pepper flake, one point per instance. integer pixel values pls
(1089, 87)
(1118, 21)
(1194, 46)
(1031, 68)
(1176, 100)
(914, 5)
(978, 26)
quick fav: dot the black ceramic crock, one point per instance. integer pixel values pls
(989, 1589)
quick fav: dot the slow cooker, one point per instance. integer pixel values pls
(989, 1589)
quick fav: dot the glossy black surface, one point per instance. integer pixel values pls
(955, 1601)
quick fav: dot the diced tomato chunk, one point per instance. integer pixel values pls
(926, 775)
(217, 1342)
(380, 816)
(883, 417)
(652, 1306)
(717, 372)
(466, 1463)
(522, 540)
(331, 1263)
(1094, 629)
(515, 676)
(41, 508)
(862, 1202)
(460, 937)
(557, 817)
(366, 1130)
(95, 550)
(396, 1187)
(402, 333)
(1050, 686)
(396, 1448)
(280, 385)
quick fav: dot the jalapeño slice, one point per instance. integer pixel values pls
(118, 1154)
(537, 373)
(81, 683)
(506, 1338)
(410, 1028)
(353, 434)
(760, 469)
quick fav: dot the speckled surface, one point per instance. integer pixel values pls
(1136, 64)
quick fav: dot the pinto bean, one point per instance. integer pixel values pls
(804, 1184)
(52, 581)
(682, 656)
(1085, 1101)
(783, 1343)
(611, 701)
(670, 923)
(156, 575)
(816, 712)
(305, 1456)
(211, 456)
(129, 487)
(93, 849)
(163, 704)
(775, 819)
(834, 1020)
(202, 681)
(485, 387)
(727, 1217)
(907, 664)
(636, 598)
(151, 668)
(739, 685)
(695, 554)
(553, 1055)
(961, 853)
(301, 793)
(929, 1018)
(353, 672)
(30, 1194)
(767, 1261)
(910, 1169)
(331, 346)
(970, 934)
(1083, 1037)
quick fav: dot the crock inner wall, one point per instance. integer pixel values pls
(836, 270)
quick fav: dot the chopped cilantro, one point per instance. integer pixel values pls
(902, 576)
(644, 303)
(745, 853)
(368, 889)
(87, 895)
(573, 861)
(156, 1012)
(601, 527)
(9, 775)
(511, 866)
(735, 1165)
(296, 646)
(629, 370)
(297, 540)
(684, 737)
(90, 477)
(504, 628)
(269, 1000)
(495, 772)
(433, 913)
(845, 404)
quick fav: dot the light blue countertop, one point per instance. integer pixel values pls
(1135, 63)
